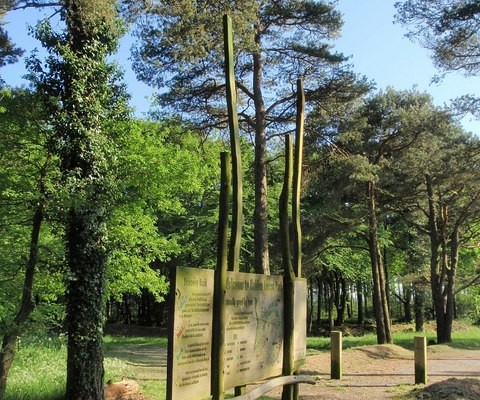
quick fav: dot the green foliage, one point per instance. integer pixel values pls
(164, 177)
(28, 176)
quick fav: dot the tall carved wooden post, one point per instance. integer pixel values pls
(237, 203)
(297, 188)
(288, 274)
(220, 284)
(295, 270)
(297, 181)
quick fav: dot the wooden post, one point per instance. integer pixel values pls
(288, 274)
(220, 284)
(420, 347)
(336, 355)
(171, 332)
(237, 201)
(297, 181)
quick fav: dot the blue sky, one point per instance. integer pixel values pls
(377, 47)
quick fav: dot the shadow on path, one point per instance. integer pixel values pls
(148, 360)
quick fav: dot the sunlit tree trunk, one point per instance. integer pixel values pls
(380, 302)
(262, 263)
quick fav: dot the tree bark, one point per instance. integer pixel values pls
(442, 269)
(26, 305)
(262, 263)
(85, 309)
(360, 313)
(340, 300)
(419, 307)
(380, 303)
(310, 306)
(90, 31)
(319, 303)
(407, 303)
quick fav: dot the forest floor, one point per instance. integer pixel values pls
(369, 372)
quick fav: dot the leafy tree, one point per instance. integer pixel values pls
(27, 177)
(166, 208)
(180, 53)
(78, 94)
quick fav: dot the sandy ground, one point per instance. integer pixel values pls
(387, 372)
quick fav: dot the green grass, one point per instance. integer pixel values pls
(38, 370)
(463, 337)
(112, 341)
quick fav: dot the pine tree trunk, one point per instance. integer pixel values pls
(361, 308)
(380, 303)
(340, 300)
(262, 263)
(310, 306)
(440, 270)
(319, 303)
(419, 308)
(407, 304)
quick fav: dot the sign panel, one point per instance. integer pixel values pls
(300, 322)
(254, 328)
(192, 334)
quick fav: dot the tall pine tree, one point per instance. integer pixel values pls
(180, 52)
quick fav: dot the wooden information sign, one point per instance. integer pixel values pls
(190, 341)
(253, 331)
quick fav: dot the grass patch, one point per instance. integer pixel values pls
(154, 389)
(110, 341)
(463, 337)
(466, 338)
(39, 370)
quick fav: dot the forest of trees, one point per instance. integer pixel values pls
(97, 206)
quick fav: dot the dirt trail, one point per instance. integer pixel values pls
(387, 372)
(370, 372)
(149, 361)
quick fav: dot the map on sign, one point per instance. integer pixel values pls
(269, 330)
(254, 328)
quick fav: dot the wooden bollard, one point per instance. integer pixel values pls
(420, 346)
(336, 355)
